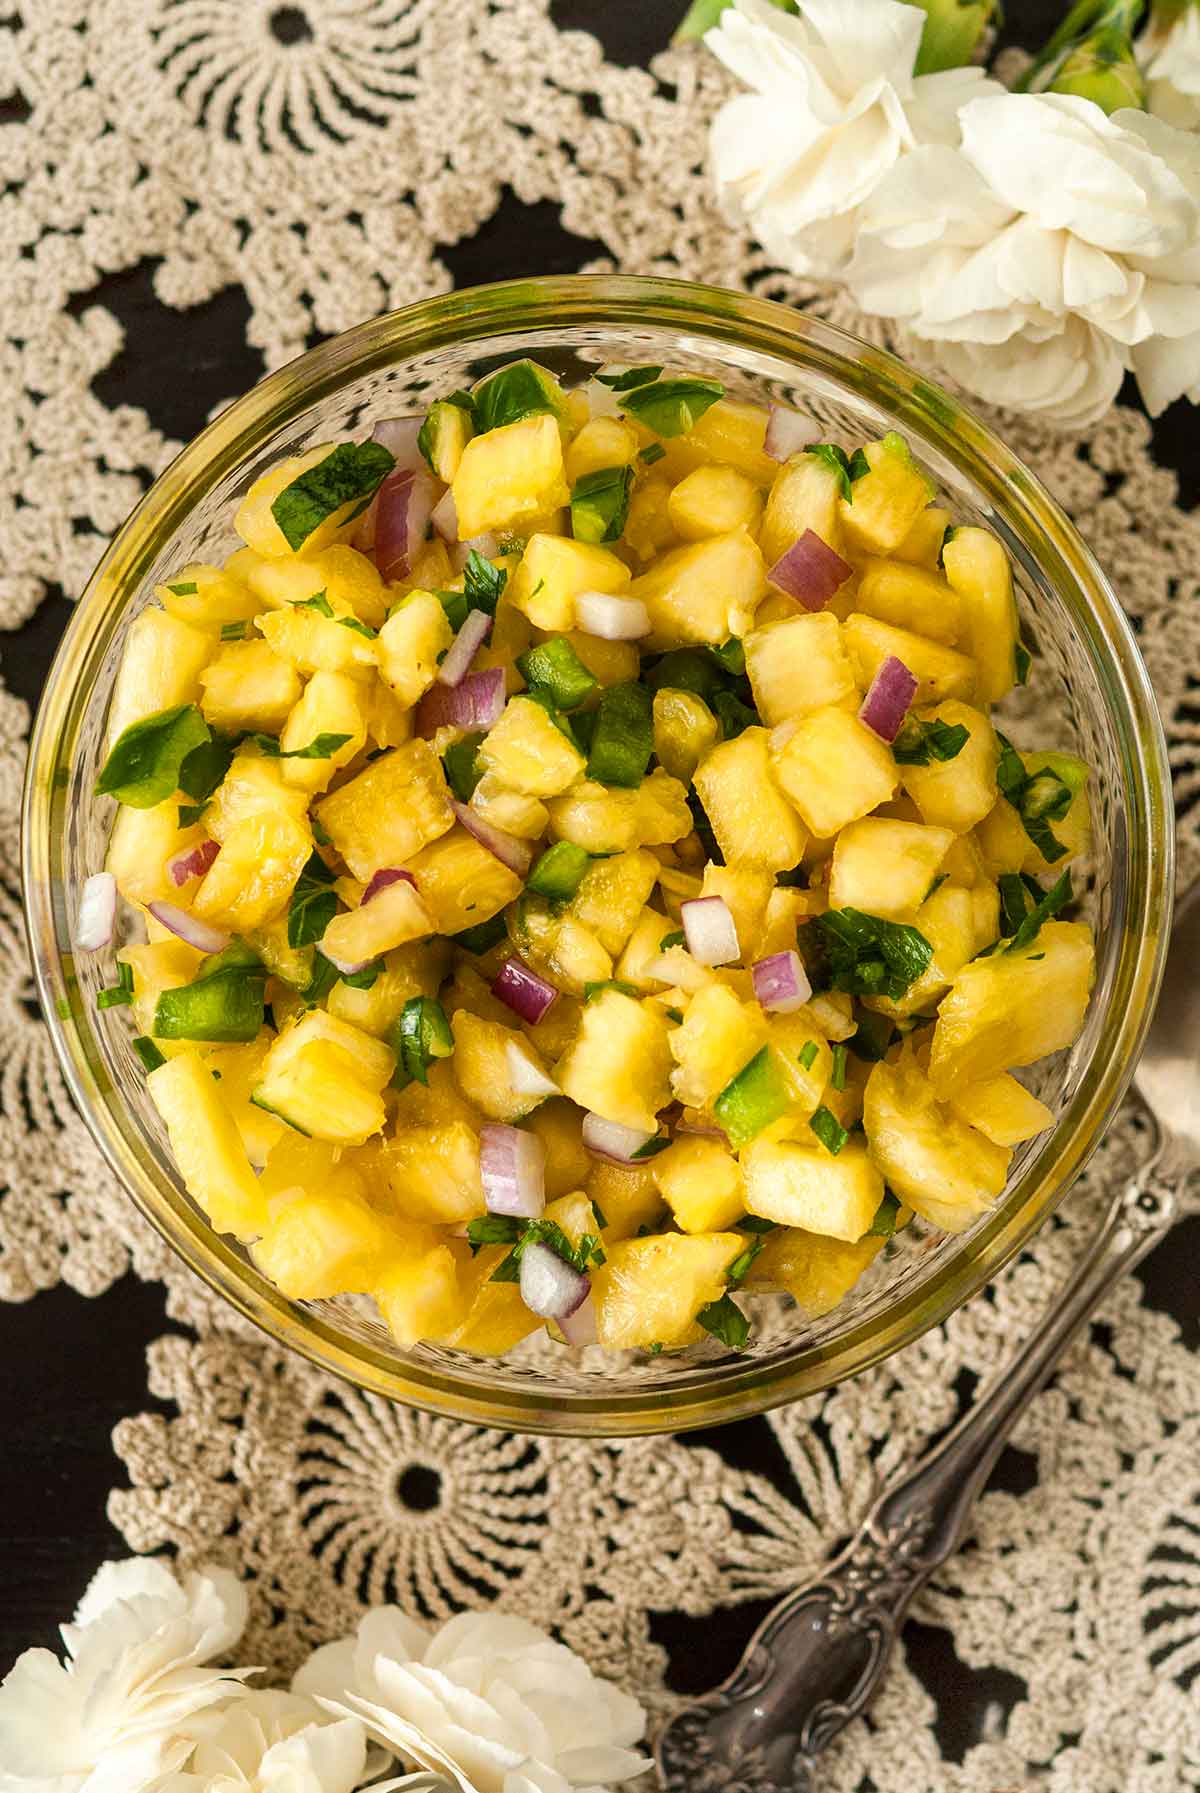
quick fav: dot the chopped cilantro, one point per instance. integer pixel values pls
(318, 602)
(350, 474)
(599, 985)
(483, 583)
(352, 622)
(206, 765)
(725, 1320)
(1039, 798)
(866, 955)
(503, 1229)
(319, 748)
(858, 465)
(420, 1035)
(672, 407)
(234, 631)
(652, 1147)
(362, 980)
(886, 1215)
(146, 760)
(632, 376)
(834, 458)
(730, 656)
(600, 504)
(313, 905)
(1056, 898)
(190, 813)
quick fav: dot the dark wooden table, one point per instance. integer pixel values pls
(71, 1368)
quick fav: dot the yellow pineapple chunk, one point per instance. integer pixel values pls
(712, 501)
(1013, 1007)
(799, 664)
(323, 1077)
(484, 1068)
(529, 752)
(433, 1172)
(816, 1271)
(1002, 1109)
(206, 597)
(321, 1243)
(642, 949)
(832, 768)
(804, 1059)
(648, 526)
(207, 1146)
(887, 500)
(956, 793)
(625, 1194)
(141, 843)
(717, 1037)
(554, 570)
(248, 686)
(461, 882)
(295, 1162)
(940, 672)
(605, 819)
(497, 1318)
(885, 867)
(701, 1182)
(911, 598)
(160, 668)
(347, 578)
(650, 1290)
(922, 546)
(602, 442)
(393, 917)
(620, 1062)
(609, 662)
(978, 569)
(411, 644)
(557, 945)
(238, 1068)
(1001, 834)
(393, 808)
(558, 1124)
(731, 433)
(256, 525)
(684, 731)
(508, 475)
(613, 893)
(706, 591)
(315, 642)
(804, 496)
(332, 704)
(255, 872)
(746, 891)
(413, 970)
(511, 811)
(931, 1159)
(800, 1186)
(418, 1292)
(752, 820)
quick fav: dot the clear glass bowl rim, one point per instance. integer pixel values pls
(719, 321)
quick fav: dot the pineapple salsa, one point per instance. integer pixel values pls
(582, 882)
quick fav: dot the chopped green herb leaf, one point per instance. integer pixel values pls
(675, 1015)
(501, 1229)
(1042, 797)
(858, 465)
(734, 716)
(752, 1223)
(686, 669)
(455, 604)
(144, 765)
(186, 590)
(740, 1267)
(1014, 903)
(920, 742)
(318, 602)
(321, 834)
(421, 1035)
(672, 407)
(730, 656)
(599, 985)
(834, 458)
(206, 765)
(351, 473)
(1030, 927)
(867, 956)
(362, 980)
(314, 903)
(600, 504)
(483, 936)
(483, 583)
(325, 975)
(652, 1147)
(601, 1216)
(321, 747)
(654, 451)
(121, 993)
(886, 1216)
(632, 376)
(554, 667)
(838, 1074)
(234, 631)
(522, 389)
(352, 623)
(676, 937)
(873, 1037)
(148, 1052)
(190, 813)
(829, 1130)
(726, 1321)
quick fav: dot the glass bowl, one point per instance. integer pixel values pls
(1089, 693)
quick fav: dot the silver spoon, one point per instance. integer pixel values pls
(817, 1660)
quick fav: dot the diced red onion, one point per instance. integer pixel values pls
(188, 927)
(512, 1165)
(380, 880)
(579, 1328)
(610, 1139)
(399, 436)
(192, 864)
(477, 701)
(611, 618)
(402, 514)
(97, 916)
(463, 649)
(550, 1287)
(810, 571)
(710, 930)
(516, 854)
(780, 983)
(527, 1079)
(487, 544)
(788, 432)
(444, 516)
(523, 991)
(886, 704)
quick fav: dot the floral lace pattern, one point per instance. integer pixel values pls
(305, 155)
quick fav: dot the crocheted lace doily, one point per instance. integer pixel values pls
(309, 156)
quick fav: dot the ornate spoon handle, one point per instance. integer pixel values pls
(818, 1658)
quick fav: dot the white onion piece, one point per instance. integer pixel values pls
(550, 1287)
(487, 544)
(463, 649)
(788, 432)
(709, 930)
(516, 854)
(527, 1079)
(97, 916)
(512, 1165)
(611, 618)
(781, 983)
(188, 927)
(399, 436)
(602, 400)
(444, 516)
(579, 1328)
(609, 1139)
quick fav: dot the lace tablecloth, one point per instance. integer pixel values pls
(280, 172)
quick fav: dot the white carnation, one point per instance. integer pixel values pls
(1170, 60)
(488, 1700)
(274, 1742)
(127, 1705)
(1051, 251)
(833, 106)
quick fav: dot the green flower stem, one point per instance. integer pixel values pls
(702, 15)
(952, 31)
(1091, 56)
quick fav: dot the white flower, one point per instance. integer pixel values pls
(1170, 60)
(488, 1700)
(126, 1706)
(274, 1742)
(834, 107)
(1054, 249)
